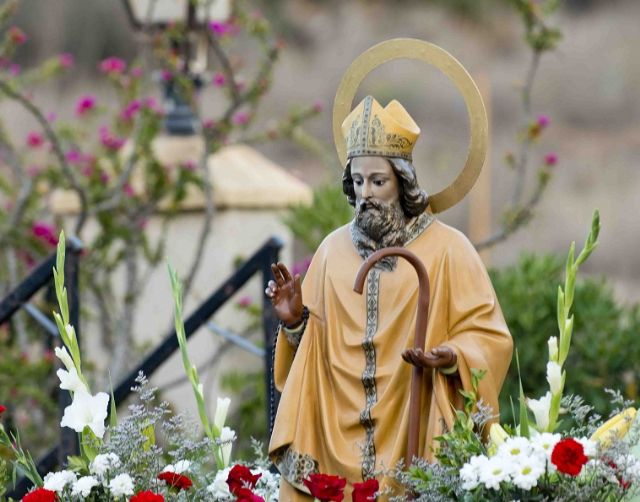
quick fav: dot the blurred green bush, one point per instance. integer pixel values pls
(604, 351)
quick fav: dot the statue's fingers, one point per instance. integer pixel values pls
(297, 286)
(285, 272)
(277, 274)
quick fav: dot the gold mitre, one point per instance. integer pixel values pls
(372, 130)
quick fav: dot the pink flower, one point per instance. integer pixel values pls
(113, 66)
(166, 75)
(221, 29)
(85, 104)
(241, 118)
(543, 121)
(35, 140)
(66, 60)
(52, 116)
(45, 232)
(33, 171)
(127, 189)
(301, 267)
(318, 107)
(551, 159)
(219, 79)
(131, 110)
(209, 124)
(109, 140)
(75, 157)
(15, 70)
(136, 72)
(188, 165)
(245, 302)
(17, 36)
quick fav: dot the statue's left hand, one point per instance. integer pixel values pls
(438, 357)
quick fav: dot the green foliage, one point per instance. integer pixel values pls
(604, 352)
(328, 211)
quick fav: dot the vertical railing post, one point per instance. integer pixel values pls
(68, 437)
(270, 325)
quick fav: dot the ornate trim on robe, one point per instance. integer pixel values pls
(369, 373)
(295, 466)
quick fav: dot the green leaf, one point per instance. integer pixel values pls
(524, 416)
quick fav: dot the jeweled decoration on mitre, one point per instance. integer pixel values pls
(371, 129)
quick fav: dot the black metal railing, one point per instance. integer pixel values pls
(259, 263)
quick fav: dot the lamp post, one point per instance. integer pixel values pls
(157, 15)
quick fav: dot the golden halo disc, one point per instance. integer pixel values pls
(411, 48)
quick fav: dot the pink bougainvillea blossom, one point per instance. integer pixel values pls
(241, 118)
(219, 79)
(221, 29)
(15, 70)
(109, 140)
(45, 232)
(318, 107)
(245, 302)
(17, 36)
(35, 139)
(136, 72)
(551, 159)
(66, 60)
(113, 66)
(543, 121)
(85, 104)
(166, 75)
(131, 110)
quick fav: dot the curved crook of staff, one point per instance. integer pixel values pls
(420, 335)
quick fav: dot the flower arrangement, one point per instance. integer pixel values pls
(148, 455)
(539, 458)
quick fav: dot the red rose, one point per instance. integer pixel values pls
(246, 495)
(568, 456)
(2, 409)
(40, 495)
(147, 496)
(326, 487)
(175, 480)
(365, 492)
(240, 477)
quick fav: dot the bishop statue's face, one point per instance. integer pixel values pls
(373, 178)
(379, 218)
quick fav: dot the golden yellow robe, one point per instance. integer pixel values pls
(345, 388)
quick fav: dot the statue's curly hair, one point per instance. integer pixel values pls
(413, 199)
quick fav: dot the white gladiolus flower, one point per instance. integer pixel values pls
(71, 331)
(103, 463)
(57, 481)
(180, 467)
(222, 407)
(63, 355)
(554, 377)
(540, 408)
(527, 471)
(226, 439)
(69, 380)
(86, 411)
(553, 348)
(84, 485)
(494, 472)
(121, 485)
(219, 489)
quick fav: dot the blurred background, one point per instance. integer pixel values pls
(572, 144)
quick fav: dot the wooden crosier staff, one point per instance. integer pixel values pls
(422, 317)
